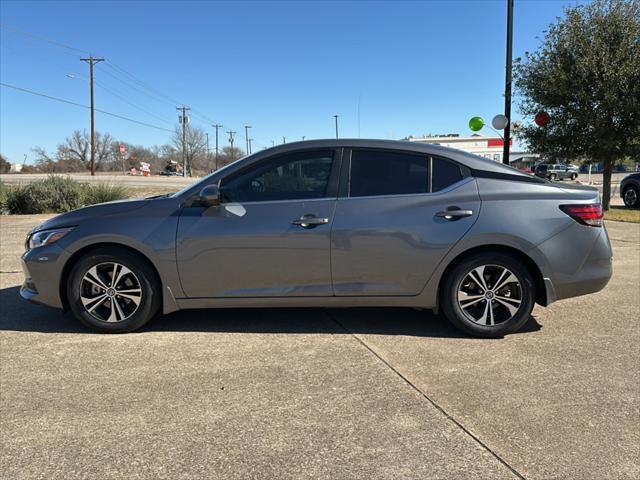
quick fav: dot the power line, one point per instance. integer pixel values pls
(42, 39)
(121, 97)
(138, 89)
(62, 100)
(137, 80)
(141, 86)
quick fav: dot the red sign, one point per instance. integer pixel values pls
(498, 143)
(123, 149)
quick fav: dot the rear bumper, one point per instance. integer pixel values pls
(579, 262)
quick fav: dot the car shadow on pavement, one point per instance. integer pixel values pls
(17, 314)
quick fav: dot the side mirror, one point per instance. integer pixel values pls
(209, 196)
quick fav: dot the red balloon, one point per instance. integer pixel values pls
(542, 119)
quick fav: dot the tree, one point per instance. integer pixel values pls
(196, 146)
(586, 76)
(74, 154)
(229, 155)
(5, 166)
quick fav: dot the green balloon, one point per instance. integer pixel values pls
(476, 124)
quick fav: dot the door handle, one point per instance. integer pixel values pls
(454, 213)
(310, 221)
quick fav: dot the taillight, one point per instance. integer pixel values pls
(590, 215)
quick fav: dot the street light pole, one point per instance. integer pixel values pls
(336, 117)
(507, 83)
(246, 135)
(217, 127)
(231, 140)
(184, 121)
(92, 61)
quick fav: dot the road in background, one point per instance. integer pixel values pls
(156, 181)
(160, 184)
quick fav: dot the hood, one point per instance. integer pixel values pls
(75, 217)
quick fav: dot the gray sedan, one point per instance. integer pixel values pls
(330, 223)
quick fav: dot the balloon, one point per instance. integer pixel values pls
(542, 119)
(476, 124)
(500, 122)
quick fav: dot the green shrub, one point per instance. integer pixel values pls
(102, 192)
(3, 198)
(51, 195)
(56, 194)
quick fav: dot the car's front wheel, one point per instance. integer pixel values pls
(112, 290)
(553, 177)
(488, 295)
(631, 197)
(574, 176)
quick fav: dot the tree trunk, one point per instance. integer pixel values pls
(606, 182)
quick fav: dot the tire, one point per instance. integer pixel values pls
(93, 298)
(472, 315)
(631, 197)
(553, 177)
(574, 176)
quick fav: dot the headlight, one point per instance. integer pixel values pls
(47, 237)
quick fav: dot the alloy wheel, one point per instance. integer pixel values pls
(489, 295)
(630, 197)
(110, 292)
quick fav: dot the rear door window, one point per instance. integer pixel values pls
(445, 174)
(388, 173)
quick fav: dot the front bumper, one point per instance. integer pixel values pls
(42, 269)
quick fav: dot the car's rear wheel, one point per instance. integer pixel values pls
(111, 290)
(631, 197)
(488, 295)
(574, 176)
(553, 177)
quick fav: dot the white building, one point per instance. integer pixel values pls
(488, 147)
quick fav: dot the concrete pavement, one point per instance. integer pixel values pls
(348, 393)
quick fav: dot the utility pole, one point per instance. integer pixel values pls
(216, 126)
(92, 61)
(284, 140)
(336, 117)
(303, 138)
(246, 134)
(184, 120)
(507, 83)
(231, 139)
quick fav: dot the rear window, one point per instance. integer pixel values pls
(388, 173)
(445, 174)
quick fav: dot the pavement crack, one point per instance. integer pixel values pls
(430, 400)
(11, 271)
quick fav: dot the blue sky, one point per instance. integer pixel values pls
(283, 67)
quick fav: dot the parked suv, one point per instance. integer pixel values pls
(630, 190)
(330, 223)
(556, 171)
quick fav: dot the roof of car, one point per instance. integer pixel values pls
(474, 162)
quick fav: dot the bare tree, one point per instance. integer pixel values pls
(74, 153)
(195, 146)
(229, 155)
